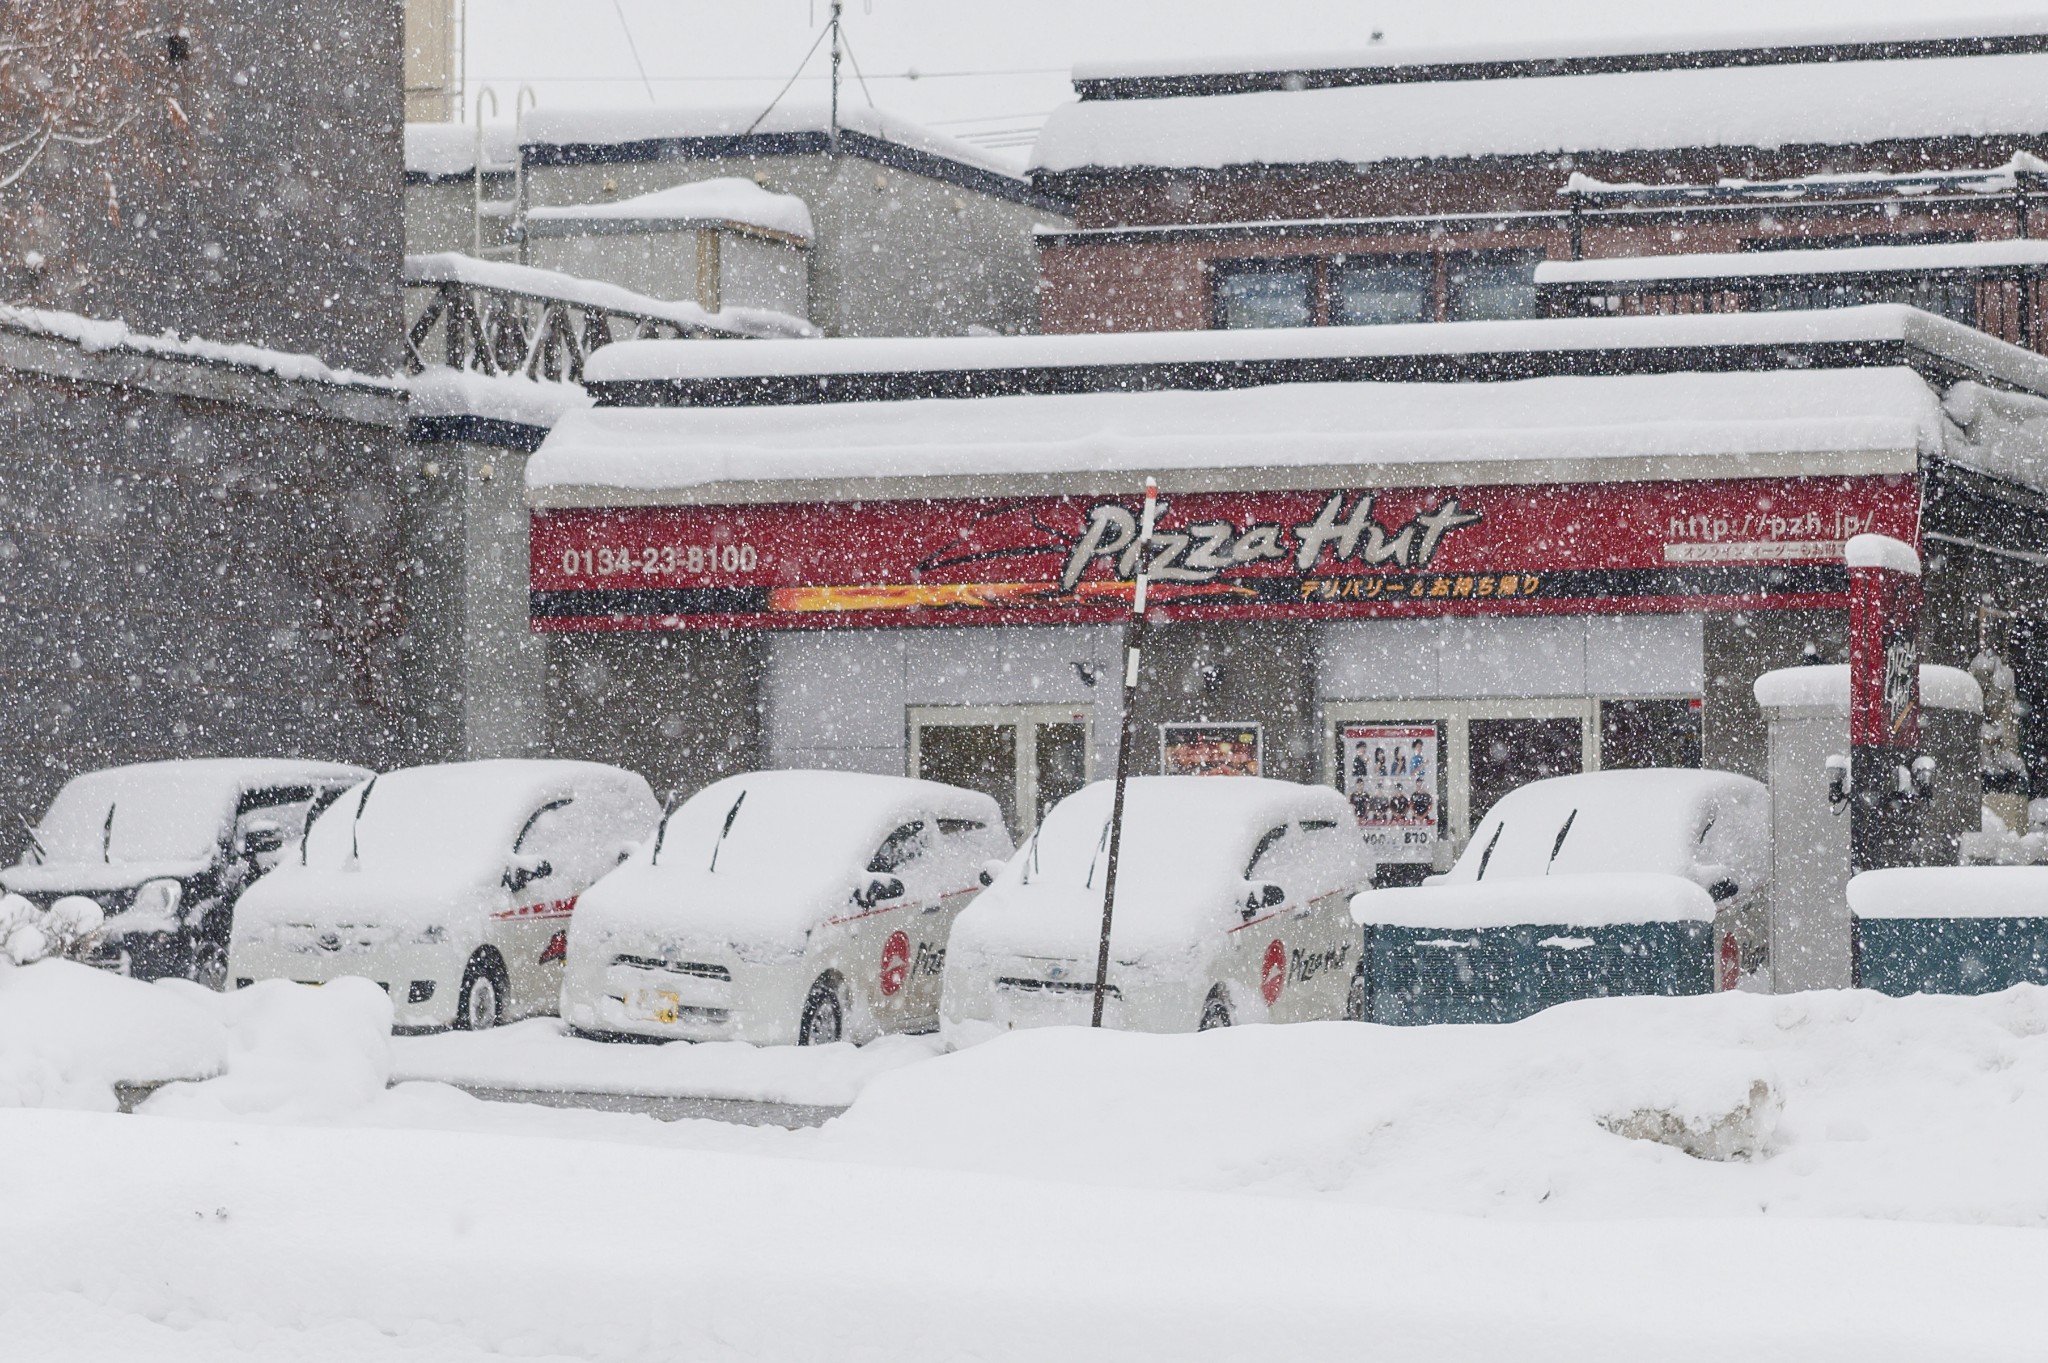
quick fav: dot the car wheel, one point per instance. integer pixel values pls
(1354, 996)
(824, 1016)
(482, 1004)
(1215, 1011)
(208, 964)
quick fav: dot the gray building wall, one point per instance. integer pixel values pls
(194, 561)
(268, 213)
(895, 253)
(682, 709)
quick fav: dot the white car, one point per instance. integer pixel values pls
(784, 906)
(166, 849)
(1230, 908)
(451, 886)
(1711, 829)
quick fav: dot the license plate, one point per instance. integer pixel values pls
(654, 1005)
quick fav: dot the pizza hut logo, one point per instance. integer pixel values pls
(1207, 549)
(1273, 971)
(895, 964)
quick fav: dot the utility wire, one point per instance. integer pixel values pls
(792, 79)
(634, 48)
(865, 92)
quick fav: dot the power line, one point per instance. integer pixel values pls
(881, 75)
(791, 81)
(634, 48)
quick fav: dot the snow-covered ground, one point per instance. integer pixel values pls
(1866, 1184)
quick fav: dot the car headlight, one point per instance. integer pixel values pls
(154, 908)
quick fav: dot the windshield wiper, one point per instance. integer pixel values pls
(107, 835)
(675, 799)
(355, 825)
(42, 852)
(730, 815)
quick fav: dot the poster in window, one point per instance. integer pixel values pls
(1390, 774)
(1210, 749)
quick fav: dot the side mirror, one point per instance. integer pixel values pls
(1262, 894)
(1838, 782)
(524, 870)
(1723, 890)
(876, 889)
(991, 869)
(262, 838)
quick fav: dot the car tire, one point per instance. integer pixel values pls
(481, 1005)
(824, 1017)
(207, 960)
(1215, 1011)
(1355, 1003)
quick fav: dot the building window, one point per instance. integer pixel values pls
(1376, 290)
(1484, 286)
(1264, 293)
(1955, 299)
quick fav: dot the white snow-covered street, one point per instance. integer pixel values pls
(1866, 1185)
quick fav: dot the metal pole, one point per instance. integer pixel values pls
(1134, 644)
(833, 136)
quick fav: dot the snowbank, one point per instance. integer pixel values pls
(70, 1035)
(539, 1054)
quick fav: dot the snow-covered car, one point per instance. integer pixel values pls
(784, 906)
(451, 886)
(1230, 908)
(1624, 837)
(166, 850)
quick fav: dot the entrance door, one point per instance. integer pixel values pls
(1028, 757)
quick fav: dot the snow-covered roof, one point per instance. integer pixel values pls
(1113, 354)
(1826, 686)
(1598, 900)
(94, 334)
(439, 393)
(1919, 259)
(725, 201)
(1808, 103)
(1877, 419)
(706, 132)
(1918, 183)
(451, 267)
(1793, 42)
(447, 151)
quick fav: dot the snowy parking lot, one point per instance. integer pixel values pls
(1813, 1176)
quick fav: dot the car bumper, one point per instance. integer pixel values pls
(403, 972)
(758, 1004)
(1003, 995)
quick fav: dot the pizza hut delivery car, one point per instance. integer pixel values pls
(1231, 907)
(784, 906)
(450, 885)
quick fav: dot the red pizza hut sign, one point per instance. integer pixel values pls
(1751, 543)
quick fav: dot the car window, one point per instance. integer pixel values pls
(1265, 855)
(900, 848)
(285, 806)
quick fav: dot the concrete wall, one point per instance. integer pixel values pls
(197, 562)
(267, 211)
(895, 254)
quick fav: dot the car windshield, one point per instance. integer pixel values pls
(457, 816)
(779, 823)
(1172, 831)
(137, 814)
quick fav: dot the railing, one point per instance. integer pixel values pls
(499, 318)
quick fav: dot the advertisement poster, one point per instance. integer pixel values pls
(1209, 749)
(1390, 773)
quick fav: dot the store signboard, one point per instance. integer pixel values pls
(1390, 773)
(1508, 549)
(1210, 749)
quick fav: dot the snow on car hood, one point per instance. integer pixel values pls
(94, 877)
(292, 898)
(762, 909)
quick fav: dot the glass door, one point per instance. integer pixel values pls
(1027, 757)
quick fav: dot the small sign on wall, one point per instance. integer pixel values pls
(1389, 772)
(1211, 749)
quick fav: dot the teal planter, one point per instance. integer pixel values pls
(1903, 956)
(1502, 974)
